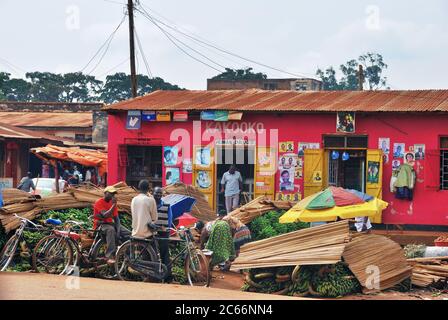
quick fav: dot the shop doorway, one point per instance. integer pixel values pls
(349, 173)
(144, 163)
(244, 160)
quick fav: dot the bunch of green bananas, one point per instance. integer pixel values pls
(339, 281)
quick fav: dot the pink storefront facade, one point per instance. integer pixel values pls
(429, 205)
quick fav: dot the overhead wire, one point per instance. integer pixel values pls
(145, 60)
(216, 47)
(105, 44)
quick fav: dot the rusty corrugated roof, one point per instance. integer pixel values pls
(262, 100)
(48, 119)
(11, 132)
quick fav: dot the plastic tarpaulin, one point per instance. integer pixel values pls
(85, 157)
(179, 204)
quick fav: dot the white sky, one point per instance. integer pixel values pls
(294, 35)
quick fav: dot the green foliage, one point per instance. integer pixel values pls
(240, 74)
(267, 226)
(373, 67)
(76, 87)
(80, 215)
(126, 220)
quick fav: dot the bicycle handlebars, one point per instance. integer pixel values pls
(25, 220)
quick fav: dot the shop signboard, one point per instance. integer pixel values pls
(134, 120)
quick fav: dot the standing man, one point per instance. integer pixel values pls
(26, 184)
(105, 216)
(231, 185)
(144, 211)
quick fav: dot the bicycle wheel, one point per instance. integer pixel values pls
(52, 254)
(102, 269)
(130, 254)
(8, 252)
(197, 268)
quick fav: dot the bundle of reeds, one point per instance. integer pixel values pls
(429, 271)
(201, 209)
(12, 195)
(60, 201)
(370, 255)
(258, 207)
(312, 246)
(10, 222)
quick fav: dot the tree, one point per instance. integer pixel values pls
(118, 87)
(373, 67)
(45, 86)
(78, 87)
(17, 90)
(240, 74)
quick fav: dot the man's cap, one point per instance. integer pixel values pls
(110, 189)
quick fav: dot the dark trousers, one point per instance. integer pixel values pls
(164, 249)
(111, 238)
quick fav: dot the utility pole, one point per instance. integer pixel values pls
(132, 48)
(360, 78)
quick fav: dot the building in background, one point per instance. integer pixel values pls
(345, 139)
(78, 122)
(291, 84)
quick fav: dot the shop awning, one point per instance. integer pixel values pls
(84, 157)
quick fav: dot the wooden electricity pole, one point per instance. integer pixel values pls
(360, 78)
(132, 48)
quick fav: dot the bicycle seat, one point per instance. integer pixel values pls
(142, 239)
(55, 222)
(72, 235)
(153, 227)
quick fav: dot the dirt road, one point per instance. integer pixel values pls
(51, 287)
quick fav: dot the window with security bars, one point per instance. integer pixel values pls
(444, 163)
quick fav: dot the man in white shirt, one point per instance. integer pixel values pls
(144, 211)
(231, 185)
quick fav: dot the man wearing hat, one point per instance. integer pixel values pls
(105, 216)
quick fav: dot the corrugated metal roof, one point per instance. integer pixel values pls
(48, 119)
(11, 132)
(261, 100)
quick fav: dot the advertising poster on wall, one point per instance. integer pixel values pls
(409, 158)
(419, 150)
(172, 175)
(287, 179)
(396, 164)
(204, 180)
(133, 120)
(399, 150)
(287, 160)
(345, 122)
(317, 177)
(373, 171)
(187, 166)
(170, 156)
(203, 157)
(384, 145)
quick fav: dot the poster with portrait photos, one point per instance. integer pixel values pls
(170, 155)
(287, 160)
(286, 181)
(399, 149)
(203, 157)
(345, 122)
(409, 158)
(204, 180)
(396, 163)
(384, 145)
(172, 175)
(419, 151)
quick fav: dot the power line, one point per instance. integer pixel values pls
(106, 43)
(145, 61)
(216, 47)
(115, 67)
(170, 38)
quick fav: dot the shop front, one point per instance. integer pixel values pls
(288, 155)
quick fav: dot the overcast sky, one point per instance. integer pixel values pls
(293, 35)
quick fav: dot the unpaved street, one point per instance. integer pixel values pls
(51, 287)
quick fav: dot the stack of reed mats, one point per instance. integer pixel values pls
(17, 202)
(329, 244)
(429, 271)
(258, 207)
(201, 209)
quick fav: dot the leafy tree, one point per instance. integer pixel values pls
(373, 67)
(240, 74)
(118, 87)
(4, 77)
(17, 90)
(78, 87)
(45, 86)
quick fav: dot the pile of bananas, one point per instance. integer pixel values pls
(323, 281)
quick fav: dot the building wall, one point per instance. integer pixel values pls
(428, 207)
(265, 84)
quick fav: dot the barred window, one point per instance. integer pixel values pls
(444, 163)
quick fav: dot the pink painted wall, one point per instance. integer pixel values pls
(428, 207)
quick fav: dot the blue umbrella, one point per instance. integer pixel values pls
(178, 205)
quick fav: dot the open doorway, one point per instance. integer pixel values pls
(144, 163)
(348, 172)
(243, 159)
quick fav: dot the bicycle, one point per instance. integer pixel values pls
(139, 259)
(87, 257)
(10, 251)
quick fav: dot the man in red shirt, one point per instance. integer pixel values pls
(105, 216)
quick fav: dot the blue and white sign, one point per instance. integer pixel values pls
(148, 116)
(134, 120)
